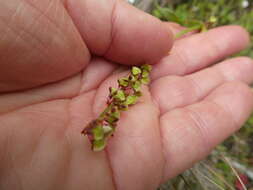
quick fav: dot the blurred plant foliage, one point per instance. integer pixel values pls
(216, 172)
(201, 13)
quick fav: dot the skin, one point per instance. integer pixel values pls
(58, 59)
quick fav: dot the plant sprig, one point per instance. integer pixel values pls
(120, 99)
(168, 14)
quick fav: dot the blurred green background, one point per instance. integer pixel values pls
(230, 165)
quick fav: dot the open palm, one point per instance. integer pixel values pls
(182, 115)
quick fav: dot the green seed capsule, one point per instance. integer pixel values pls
(120, 95)
(98, 145)
(98, 133)
(131, 100)
(137, 86)
(123, 82)
(107, 129)
(145, 73)
(145, 80)
(146, 67)
(136, 70)
(113, 91)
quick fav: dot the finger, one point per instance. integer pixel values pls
(174, 91)
(94, 74)
(47, 137)
(200, 50)
(176, 29)
(135, 151)
(119, 31)
(173, 27)
(66, 89)
(190, 133)
(38, 44)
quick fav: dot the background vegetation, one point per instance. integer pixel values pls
(230, 165)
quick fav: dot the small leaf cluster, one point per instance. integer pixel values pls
(120, 99)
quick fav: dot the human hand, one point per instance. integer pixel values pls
(181, 117)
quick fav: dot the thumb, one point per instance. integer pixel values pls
(120, 32)
(46, 41)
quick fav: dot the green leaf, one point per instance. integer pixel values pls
(131, 100)
(157, 13)
(98, 133)
(98, 145)
(120, 95)
(187, 30)
(136, 70)
(193, 23)
(169, 15)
